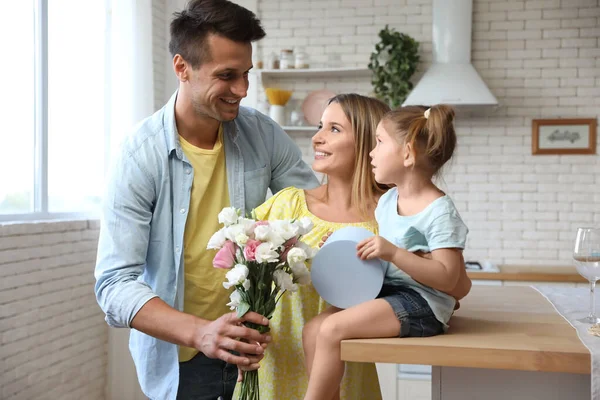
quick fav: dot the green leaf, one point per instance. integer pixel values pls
(242, 309)
(393, 62)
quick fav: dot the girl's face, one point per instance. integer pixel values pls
(387, 157)
(333, 144)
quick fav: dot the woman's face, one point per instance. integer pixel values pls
(333, 144)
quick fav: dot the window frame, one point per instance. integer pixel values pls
(40, 210)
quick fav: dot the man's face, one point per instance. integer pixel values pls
(218, 85)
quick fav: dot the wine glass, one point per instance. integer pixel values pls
(587, 261)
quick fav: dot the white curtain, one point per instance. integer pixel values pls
(131, 92)
(130, 98)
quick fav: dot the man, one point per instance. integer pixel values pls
(199, 153)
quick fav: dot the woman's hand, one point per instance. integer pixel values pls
(376, 247)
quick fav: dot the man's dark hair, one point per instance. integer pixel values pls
(199, 18)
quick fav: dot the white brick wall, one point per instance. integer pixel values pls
(53, 335)
(540, 58)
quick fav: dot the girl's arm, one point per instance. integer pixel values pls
(463, 286)
(442, 272)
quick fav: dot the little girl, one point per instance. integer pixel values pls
(413, 143)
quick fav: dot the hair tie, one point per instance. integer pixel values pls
(426, 113)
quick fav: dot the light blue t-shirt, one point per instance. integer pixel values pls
(438, 226)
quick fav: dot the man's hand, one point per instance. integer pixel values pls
(226, 334)
(242, 368)
(376, 246)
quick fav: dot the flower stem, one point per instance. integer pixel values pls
(250, 389)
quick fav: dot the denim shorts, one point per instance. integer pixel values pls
(203, 378)
(415, 316)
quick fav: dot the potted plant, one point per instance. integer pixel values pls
(393, 63)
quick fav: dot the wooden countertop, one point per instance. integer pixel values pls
(534, 273)
(498, 327)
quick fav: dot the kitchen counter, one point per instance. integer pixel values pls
(533, 273)
(497, 333)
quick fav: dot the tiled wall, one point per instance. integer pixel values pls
(541, 59)
(53, 334)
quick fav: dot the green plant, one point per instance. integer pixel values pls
(393, 63)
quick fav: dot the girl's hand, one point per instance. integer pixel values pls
(374, 247)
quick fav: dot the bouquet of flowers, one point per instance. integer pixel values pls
(265, 259)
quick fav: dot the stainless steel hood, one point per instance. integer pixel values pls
(451, 79)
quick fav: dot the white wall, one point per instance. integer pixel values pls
(53, 335)
(540, 58)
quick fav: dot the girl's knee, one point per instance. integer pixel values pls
(311, 329)
(331, 330)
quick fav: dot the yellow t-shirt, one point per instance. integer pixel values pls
(204, 294)
(282, 373)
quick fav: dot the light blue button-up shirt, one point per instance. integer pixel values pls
(140, 249)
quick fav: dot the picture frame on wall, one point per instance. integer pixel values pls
(563, 136)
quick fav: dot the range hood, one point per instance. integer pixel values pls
(451, 79)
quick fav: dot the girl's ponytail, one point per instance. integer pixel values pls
(441, 137)
(430, 131)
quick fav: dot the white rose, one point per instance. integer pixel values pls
(296, 255)
(301, 273)
(264, 253)
(236, 276)
(217, 240)
(310, 251)
(232, 231)
(305, 225)
(285, 228)
(228, 216)
(275, 239)
(235, 298)
(261, 232)
(248, 225)
(246, 284)
(241, 239)
(284, 281)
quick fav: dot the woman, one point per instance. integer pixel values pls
(342, 144)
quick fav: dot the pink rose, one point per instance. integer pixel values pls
(250, 249)
(259, 223)
(287, 246)
(225, 258)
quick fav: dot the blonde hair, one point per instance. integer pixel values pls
(364, 114)
(431, 135)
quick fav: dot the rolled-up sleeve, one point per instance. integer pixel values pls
(288, 168)
(123, 241)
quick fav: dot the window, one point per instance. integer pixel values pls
(52, 146)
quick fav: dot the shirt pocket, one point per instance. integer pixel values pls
(256, 183)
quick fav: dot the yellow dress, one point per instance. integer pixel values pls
(282, 372)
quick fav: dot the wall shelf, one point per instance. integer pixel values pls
(300, 128)
(346, 72)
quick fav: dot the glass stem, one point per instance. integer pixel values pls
(592, 302)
